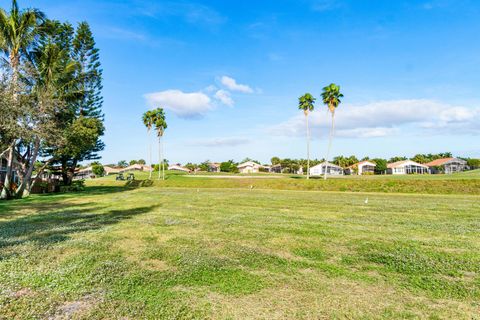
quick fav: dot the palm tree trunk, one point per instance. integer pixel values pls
(150, 154)
(160, 162)
(308, 147)
(163, 161)
(332, 130)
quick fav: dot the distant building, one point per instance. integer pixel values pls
(3, 170)
(213, 167)
(407, 167)
(85, 173)
(330, 168)
(276, 168)
(136, 167)
(363, 167)
(178, 167)
(110, 170)
(249, 167)
(447, 165)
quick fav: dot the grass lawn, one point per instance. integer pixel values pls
(172, 250)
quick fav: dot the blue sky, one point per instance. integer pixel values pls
(229, 74)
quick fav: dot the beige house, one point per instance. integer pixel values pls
(363, 167)
(178, 167)
(447, 165)
(249, 167)
(136, 167)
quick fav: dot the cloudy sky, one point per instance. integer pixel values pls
(229, 74)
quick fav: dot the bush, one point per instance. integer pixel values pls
(98, 170)
(77, 185)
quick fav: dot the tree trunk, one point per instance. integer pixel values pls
(7, 185)
(150, 154)
(23, 189)
(163, 161)
(332, 130)
(160, 164)
(71, 172)
(64, 172)
(308, 147)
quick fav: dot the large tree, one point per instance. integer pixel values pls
(306, 104)
(160, 126)
(149, 120)
(86, 104)
(19, 30)
(331, 98)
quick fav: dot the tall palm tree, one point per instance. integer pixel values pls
(18, 32)
(331, 98)
(148, 121)
(306, 104)
(160, 126)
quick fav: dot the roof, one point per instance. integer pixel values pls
(441, 162)
(110, 169)
(404, 163)
(135, 166)
(329, 164)
(178, 167)
(362, 162)
(249, 164)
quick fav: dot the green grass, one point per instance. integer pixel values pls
(175, 250)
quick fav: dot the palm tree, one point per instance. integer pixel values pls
(331, 98)
(160, 126)
(18, 32)
(148, 121)
(306, 104)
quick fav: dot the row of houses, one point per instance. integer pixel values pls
(446, 165)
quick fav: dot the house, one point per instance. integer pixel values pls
(447, 165)
(330, 168)
(249, 167)
(136, 167)
(84, 173)
(213, 167)
(3, 170)
(178, 167)
(276, 168)
(406, 167)
(360, 168)
(110, 170)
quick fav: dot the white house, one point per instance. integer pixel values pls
(332, 169)
(249, 167)
(363, 167)
(447, 165)
(406, 167)
(178, 167)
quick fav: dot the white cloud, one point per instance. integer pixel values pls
(221, 142)
(387, 118)
(232, 85)
(224, 97)
(183, 104)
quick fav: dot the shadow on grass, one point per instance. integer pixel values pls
(57, 226)
(53, 200)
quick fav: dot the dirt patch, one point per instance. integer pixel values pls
(72, 309)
